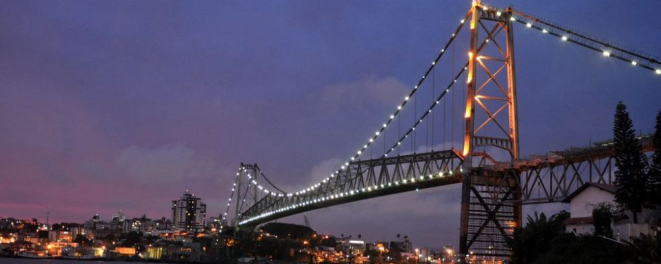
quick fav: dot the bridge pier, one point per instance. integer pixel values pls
(490, 211)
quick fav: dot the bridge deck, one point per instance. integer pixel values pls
(358, 196)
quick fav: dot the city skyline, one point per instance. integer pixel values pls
(110, 107)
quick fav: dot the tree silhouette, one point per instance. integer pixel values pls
(602, 215)
(630, 176)
(655, 167)
(647, 248)
(531, 241)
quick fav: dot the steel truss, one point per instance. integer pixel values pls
(553, 178)
(493, 212)
(363, 180)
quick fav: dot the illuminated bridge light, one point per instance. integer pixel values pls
(606, 53)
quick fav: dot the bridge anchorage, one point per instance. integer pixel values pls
(495, 180)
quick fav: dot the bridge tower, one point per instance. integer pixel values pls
(489, 211)
(247, 193)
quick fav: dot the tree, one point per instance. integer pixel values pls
(654, 171)
(289, 230)
(630, 177)
(132, 238)
(647, 248)
(82, 240)
(567, 248)
(530, 242)
(603, 215)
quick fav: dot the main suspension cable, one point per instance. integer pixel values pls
(606, 49)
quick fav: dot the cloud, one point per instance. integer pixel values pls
(166, 163)
(365, 92)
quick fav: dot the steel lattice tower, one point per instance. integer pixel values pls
(489, 211)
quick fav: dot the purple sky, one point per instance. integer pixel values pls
(125, 104)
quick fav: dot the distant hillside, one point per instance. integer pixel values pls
(288, 230)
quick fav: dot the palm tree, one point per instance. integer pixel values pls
(530, 241)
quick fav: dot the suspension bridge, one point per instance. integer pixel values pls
(496, 181)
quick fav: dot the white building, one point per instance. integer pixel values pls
(583, 201)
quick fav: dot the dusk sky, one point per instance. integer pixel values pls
(124, 105)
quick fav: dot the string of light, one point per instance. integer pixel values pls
(429, 111)
(250, 181)
(338, 195)
(229, 200)
(381, 130)
(544, 27)
(394, 115)
(431, 107)
(331, 195)
(607, 51)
